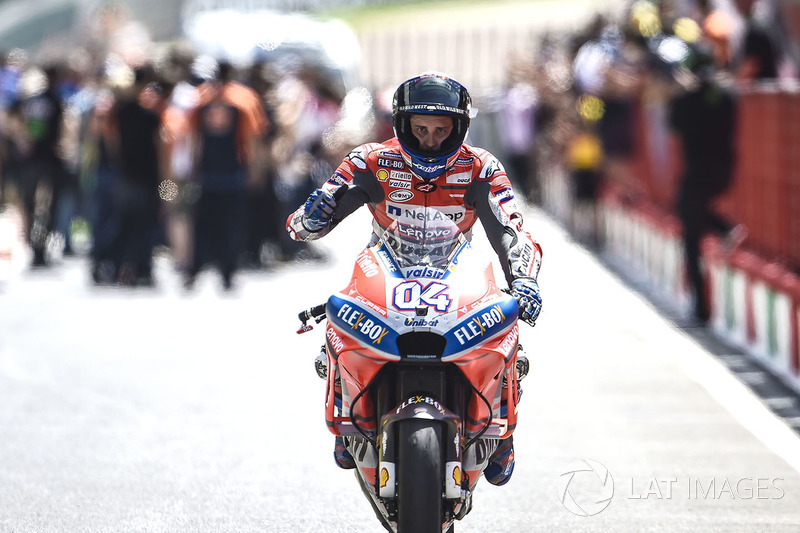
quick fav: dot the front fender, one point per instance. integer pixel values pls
(427, 408)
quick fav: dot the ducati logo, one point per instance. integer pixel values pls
(426, 187)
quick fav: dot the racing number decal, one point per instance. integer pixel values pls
(411, 294)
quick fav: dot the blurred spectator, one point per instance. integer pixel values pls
(139, 154)
(177, 190)
(703, 119)
(100, 178)
(584, 160)
(14, 148)
(42, 166)
(608, 68)
(762, 49)
(262, 223)
(718, 26)
(518, 129)
(226, 125)
(308, 106)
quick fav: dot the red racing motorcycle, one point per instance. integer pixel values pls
(422, 370)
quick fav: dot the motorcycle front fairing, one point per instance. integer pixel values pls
(422, 277)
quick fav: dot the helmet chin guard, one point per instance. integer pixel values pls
(430, 94)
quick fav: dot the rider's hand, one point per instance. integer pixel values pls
(318, 210)
(529, 298)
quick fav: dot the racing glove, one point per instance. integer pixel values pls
(526, 291)
(318, 210)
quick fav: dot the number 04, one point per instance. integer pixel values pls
(411, 294)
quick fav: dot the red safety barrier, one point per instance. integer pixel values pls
(765, 195)
(791, 284)
(753, 267)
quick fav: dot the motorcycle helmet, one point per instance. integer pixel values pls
(430, 94)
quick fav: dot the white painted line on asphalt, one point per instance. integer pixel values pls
(747, 408)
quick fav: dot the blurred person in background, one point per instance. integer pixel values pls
(42, 165)
(14, 148)
(308, 107)
(13, 143)
(608, 67)
(139, 155)
(584, 160)
(703, 119)
(518, 120)
(428, 161)
(226, 125)
(262, 216)
(99, 171)
(718, 27)
(177, 190)
(761, 48)
(69, 221)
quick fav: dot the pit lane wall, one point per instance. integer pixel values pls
(755, 303)
(754, 291)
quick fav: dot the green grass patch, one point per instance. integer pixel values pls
(362, 18)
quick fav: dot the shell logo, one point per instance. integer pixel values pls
(457, 476)
(382, 174)
(384, 477)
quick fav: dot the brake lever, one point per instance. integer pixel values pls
(317, 313)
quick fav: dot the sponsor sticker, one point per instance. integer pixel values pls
(397, 175)
(400, 184)
(462, 178)
(368, 266)
(390, 163)
(334, 340)
(421, 322)
(382, 174)
(479, 324)
(401, 196)
(414, 400)
(360, 321)
(424, 272)
(434, 213)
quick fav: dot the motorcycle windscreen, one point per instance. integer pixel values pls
(425, 236)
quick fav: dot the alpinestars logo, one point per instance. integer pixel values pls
(357, 157)
(426, 187)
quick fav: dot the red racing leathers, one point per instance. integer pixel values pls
(475, 187)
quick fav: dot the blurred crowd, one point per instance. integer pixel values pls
(116, 155)
(577, 107)
(571, 107)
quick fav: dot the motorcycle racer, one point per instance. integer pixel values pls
(427, 164)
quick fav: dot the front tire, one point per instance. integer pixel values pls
(419, 477)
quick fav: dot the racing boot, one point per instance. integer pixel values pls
(342, 457)
(501, 463)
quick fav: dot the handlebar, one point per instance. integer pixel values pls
(317, 313)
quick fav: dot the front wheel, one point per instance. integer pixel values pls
(419, 477)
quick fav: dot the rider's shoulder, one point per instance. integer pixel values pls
(372, 151)
(483, 161)
(477, 152)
